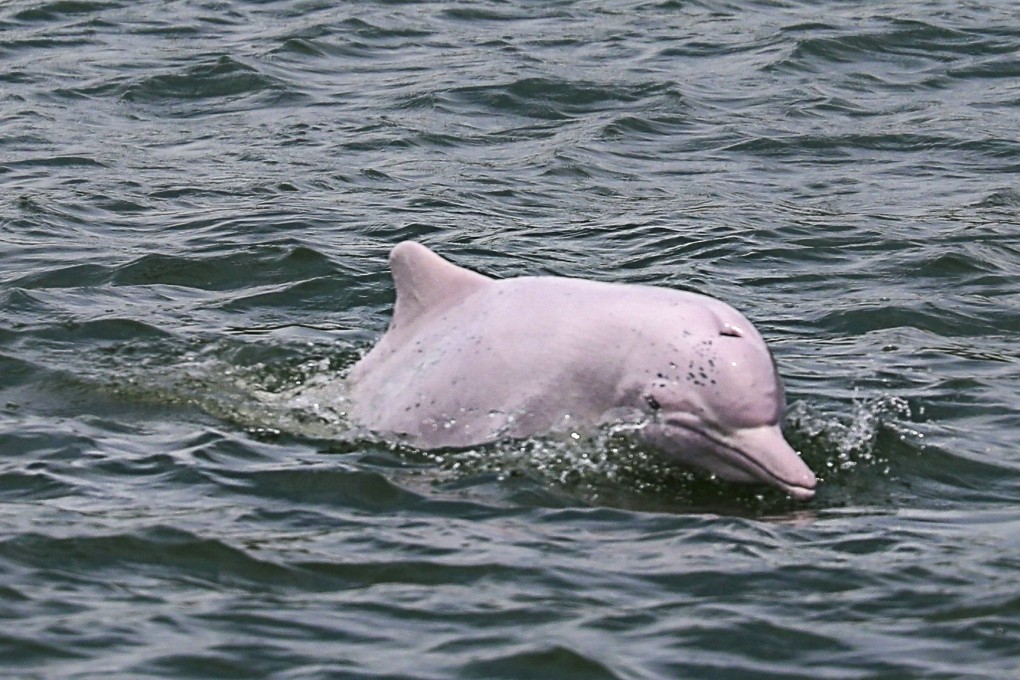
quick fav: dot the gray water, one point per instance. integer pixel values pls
(196, 202)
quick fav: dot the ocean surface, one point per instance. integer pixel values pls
(197, 198)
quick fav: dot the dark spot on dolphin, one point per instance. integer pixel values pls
(653, 403)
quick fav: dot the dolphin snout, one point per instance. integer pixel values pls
(803, 489)
(770, 459)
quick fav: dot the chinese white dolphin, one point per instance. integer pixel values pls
(468, 359)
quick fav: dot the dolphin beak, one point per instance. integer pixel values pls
(769, 459)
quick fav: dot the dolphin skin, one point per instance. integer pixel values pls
(468, 359)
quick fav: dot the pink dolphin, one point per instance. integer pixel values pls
(468, 359)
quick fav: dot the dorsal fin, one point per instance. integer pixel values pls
(426, 282)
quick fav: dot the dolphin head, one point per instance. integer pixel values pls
(715, 401)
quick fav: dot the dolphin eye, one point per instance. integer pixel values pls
(652, 403)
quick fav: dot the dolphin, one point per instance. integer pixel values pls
(468, 359)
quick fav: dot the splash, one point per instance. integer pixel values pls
(839, 446)
(289, 395)
(608, 467)
(270, 394)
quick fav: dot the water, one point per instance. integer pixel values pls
(197, 199)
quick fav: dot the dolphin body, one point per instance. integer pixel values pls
(468, 359)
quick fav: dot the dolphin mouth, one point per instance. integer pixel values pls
(798, 492)
(761, 455)
(796, 479)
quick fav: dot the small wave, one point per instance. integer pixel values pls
(116, 330)
(645, 127)
(71, 276)
(28, 484)
(223, 79)
(268, 264)
(1004, 198)
(1005, 67)
(58, 161)
(373, 31)
(157, 551)
(550, 661)
(906, 39)
(555, 99)
(475, 14)
(51, 11)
